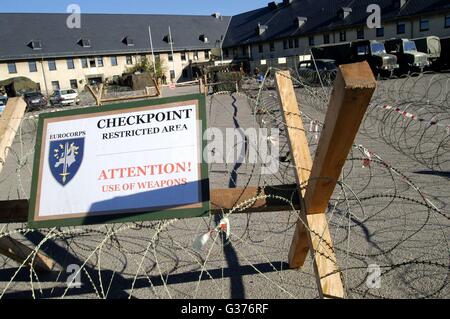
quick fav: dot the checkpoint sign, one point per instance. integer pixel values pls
(120, 163)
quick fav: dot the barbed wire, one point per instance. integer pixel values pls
(378, 213)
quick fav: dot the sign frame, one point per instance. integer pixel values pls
(125, 217)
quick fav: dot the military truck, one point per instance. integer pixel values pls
(409, 59)
(339, 52)
(375, 54)
(365, 50)
(429, 45)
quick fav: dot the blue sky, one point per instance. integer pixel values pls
(202, 7)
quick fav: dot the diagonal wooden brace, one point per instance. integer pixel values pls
(351, 95)
(9, 124)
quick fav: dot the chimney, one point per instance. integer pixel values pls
(272, 5)
(300, 21)
(216, 15)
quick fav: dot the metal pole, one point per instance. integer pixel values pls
(171, 49)
(151, 47)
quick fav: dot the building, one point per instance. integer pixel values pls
(44, 49)
(290, 28)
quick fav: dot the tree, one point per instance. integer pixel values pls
(146, 66)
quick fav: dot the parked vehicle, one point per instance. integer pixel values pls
(375, 54)
(34, 100)
(64, 97)
(429, 45)
(443, 63)
(319, 71)
(3, 101)
(409, 59)
(339, 52)
(371, 51)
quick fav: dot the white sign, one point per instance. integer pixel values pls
(142, 159)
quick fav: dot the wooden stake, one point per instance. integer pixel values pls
(353, 90)
(9, 124)
(222, 200)
(19, 252)
(327, 284)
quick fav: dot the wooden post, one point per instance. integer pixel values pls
(327, 285)
(353, 90)
(19, 252)
(205, 85)
(200, 86)
(222, 200)
(9, 124)
(158, 89)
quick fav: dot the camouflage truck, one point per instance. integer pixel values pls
(365, 50)
(409, 59)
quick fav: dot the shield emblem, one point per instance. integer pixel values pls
(65, 159)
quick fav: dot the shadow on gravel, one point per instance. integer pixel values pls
(434, 173)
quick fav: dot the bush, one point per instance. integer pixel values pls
(227, 81)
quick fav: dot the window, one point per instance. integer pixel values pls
(380, 32)
(74, 84)
(401, 28)
(70, 64)
(92, 62)
(113, 61)
(12, 68)
(84, 63)
(185, 74)
(285, 44)
(326, 38)
(291, 43)
(32, 66)
(244, 51)
(183, 56)
(362, 50)
(226, 53)
(170, 57)
(172, 75)
(52, 65)
(55, 85)
(260, 48)
(296, 44)
(272, 46)
(129, 59)
(311, 41)
(342, 36)
(196, 54)
(360, 34)
(447, 21)
(100, 62)
(424, 25)
(207, 54)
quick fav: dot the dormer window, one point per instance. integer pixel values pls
(204, 38)
(300, 22)
(35, 44)
(168, 39)
(85, 43)
(344, 12)
(128, 41)
(261, 29)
